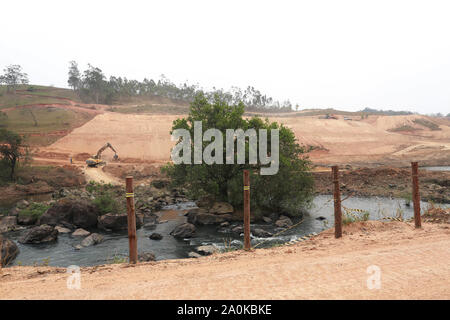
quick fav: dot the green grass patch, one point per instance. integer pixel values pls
(354, 215)
(35, 210)
(33, 94)
(426, 123)
(149, 109)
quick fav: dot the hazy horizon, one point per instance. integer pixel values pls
(348, 55)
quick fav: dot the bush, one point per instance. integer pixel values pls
(106, 203)
(35, 210)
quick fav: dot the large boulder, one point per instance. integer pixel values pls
(40, 234)
(185, 230)
(261, 233)
(8, 223)
(92, 239)
(205, 202)
(283, 222)
(27, 219)
(221, 208)
(80, 233)
(116, 222)
(208, 218)
(68, 211)
(9, 251)
(201, 216)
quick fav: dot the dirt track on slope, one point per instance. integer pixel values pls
(414, 264)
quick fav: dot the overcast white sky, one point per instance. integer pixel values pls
(342, 54)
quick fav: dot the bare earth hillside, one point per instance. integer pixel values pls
(146, 138)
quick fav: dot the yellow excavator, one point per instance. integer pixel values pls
(96, 160)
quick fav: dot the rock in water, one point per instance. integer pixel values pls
(9, 251)
(221, 208)
(284, 222)
(77, 212)
(40, 234)
(267, 220)
(185, 230)
(146, 257)
(116, 222)
(194, 255)
(207, 250)
(8, 223)
(91, 240)
(261, 233)
(80, 233)
(62, 229)
(156, 236)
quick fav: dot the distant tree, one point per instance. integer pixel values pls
(94, 82)
(74, 80)
(13, 76)
(296, 107)
(448, 115)
(11, 146)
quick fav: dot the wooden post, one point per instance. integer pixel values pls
(247, 243)
(415, 194)
(1, 252)
(131, 220)
(337, 204)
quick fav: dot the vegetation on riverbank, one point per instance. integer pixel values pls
(287, 191)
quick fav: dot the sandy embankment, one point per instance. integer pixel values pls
(414, 264)
(146, 138)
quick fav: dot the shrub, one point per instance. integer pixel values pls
(35, 209)
(106, 203)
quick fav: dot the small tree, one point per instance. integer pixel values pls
(74, 80)
(11, 145)
(13, 76)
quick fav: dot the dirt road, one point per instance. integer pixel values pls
(413, 264)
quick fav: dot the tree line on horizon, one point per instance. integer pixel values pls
(93, 86)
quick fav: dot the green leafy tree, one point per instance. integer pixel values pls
(13, 76)
(287, 191)
(11, 146)
(94, 82)
(74, 80)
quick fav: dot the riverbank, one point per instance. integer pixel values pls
(413, 264)
(386, 182)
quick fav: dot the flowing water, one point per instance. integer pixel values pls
(440, 168)
(115, 245)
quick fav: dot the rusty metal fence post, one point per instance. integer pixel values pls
(131, 219)
(415, 194)
(337, 203)
(247, 243)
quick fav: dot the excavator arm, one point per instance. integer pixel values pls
(96, 159)
(107, 145)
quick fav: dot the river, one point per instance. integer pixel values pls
(115, 245)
